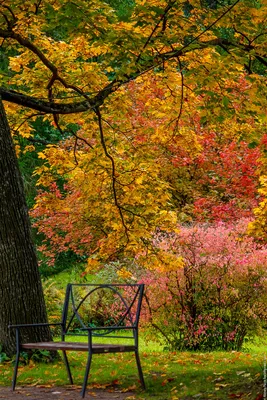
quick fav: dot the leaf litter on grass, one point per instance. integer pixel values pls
(168, 375)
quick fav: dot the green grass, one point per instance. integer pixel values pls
(168, 375)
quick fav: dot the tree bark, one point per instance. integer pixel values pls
(21, 295)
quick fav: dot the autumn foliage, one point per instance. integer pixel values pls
(163, 173)
(218, 297)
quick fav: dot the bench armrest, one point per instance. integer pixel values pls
(34, 325)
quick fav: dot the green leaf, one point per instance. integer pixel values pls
(225, 101)
(252, 145)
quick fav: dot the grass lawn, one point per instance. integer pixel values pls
(168, 375)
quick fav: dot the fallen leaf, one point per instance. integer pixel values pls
(44, 386)
(129, 389)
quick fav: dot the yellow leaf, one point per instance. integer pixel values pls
(41, 155)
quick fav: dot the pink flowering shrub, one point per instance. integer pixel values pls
(218, 297)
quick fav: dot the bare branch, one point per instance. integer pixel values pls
(10, 10)
(182, 95)
(39, 141)
(242, 34)
(25, 120)
(113, 171)
(74, 151)
(162, 19)
(37, 6)
(7, 20)
(81, 139)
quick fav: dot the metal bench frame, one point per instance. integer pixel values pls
(131, 313)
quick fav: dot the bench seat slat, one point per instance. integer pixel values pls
(78, 346)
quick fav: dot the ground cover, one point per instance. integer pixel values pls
(168, 375)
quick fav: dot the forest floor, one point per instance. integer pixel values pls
(59, 393)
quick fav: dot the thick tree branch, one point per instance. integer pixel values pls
(204, 45)
(10, 34)
(52, 107)
(45, 106)
(58, 108)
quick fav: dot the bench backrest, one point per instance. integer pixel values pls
(109, 306)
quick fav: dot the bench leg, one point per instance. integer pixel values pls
(66, 361)
(141, 376)
(88, 365)
(15, 371)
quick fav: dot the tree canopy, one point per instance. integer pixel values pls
(142, 98)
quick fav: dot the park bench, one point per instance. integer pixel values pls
(96, 311)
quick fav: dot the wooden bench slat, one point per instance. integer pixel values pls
(79, 346)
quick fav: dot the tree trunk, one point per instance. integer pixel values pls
(21, 295)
